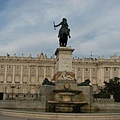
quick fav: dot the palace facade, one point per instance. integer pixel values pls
(26, 74)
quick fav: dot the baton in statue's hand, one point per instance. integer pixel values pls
(54, 25)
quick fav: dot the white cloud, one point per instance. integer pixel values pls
(28, 27)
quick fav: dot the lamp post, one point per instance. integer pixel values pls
(37, 90)
(12, 86)
(5, 92)
(18, 87)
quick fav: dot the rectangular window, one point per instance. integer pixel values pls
(79, 69)
(86, 69)
(106, 68)
(1, 66)
(32, 66)
(25, 67)
(48, 68)
(10, 66)
(40, 68)
(17, 67)
(115, 69)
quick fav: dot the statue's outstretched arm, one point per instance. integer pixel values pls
(57, 25)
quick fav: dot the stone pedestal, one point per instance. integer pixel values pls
(63, 62)
(63, 59)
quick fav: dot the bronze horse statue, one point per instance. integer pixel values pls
(64, 32)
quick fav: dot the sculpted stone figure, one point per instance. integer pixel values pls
(64, 32)
(65, 76)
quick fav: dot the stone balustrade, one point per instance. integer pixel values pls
(23, 97)
(103, 100)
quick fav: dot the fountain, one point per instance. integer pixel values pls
(65, 95)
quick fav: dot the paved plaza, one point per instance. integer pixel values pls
(3, 117)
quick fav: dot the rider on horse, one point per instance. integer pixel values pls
(64, 28)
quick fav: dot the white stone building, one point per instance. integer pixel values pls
(25, 74)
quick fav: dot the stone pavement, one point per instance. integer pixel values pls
(3, 117)
(27, 115)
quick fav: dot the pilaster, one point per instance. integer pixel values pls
(111, 73)
(37, 74)
(13, 80)
(76, 72)
(83, 75)
(91, 74)
(29, 75)
(21, 74)
(44, 71)
(101, 75)
(52, 71)
(119, 72)
(5, 74)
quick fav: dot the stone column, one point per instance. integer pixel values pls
(76, 70)
(96, 78)
(97, 73)
(21, 74)
(91, 75)
(44, 71)
(111, 72)
(119, 72)
(13, 80)
(102, 75)
(29, 75)
(52, 74)
(83, 75)
(37, 74)
(5, 74)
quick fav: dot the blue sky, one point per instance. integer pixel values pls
(26, 26)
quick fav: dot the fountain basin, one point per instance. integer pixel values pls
(65, 106)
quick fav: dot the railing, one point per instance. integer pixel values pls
(23, 96)
(103, 100)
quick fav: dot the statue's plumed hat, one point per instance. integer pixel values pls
(64, 19)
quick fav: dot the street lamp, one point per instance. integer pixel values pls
(12, 86)
(18, 87)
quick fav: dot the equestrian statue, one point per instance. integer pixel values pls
(64, 32)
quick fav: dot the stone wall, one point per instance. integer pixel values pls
(87, 95)
(22, 104)
(45, 93)
(107, 105)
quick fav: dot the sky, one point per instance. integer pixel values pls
(26, 27)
